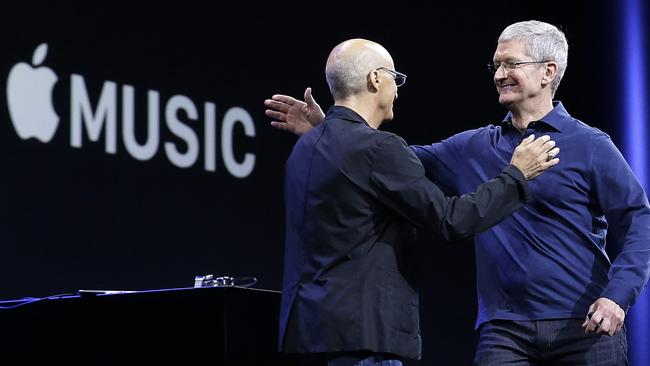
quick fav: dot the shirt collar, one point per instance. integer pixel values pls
(341, 112)
(557, 118)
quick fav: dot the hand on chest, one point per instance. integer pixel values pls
(566, 182)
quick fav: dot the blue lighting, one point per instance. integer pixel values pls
(634, 99)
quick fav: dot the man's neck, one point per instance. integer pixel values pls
(363, 108)
(522, 115)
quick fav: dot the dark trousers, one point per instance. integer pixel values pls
(361, 358)
(547, 342)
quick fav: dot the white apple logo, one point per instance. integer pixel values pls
(29, 95)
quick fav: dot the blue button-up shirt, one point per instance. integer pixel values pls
(548, 259)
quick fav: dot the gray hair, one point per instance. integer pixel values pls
(347, 77)
(543, 42)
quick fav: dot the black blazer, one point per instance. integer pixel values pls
(350, 193)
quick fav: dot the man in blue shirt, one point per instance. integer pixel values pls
(547, 291)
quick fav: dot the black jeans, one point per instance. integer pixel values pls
(361, 358)
(547, 342)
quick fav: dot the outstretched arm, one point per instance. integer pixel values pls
(398, 181)
(293, 115)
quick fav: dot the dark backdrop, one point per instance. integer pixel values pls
(77, 218)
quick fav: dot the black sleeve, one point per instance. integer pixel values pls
(398, 180)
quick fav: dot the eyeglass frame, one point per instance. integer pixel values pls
(396, 75)
(509, 66)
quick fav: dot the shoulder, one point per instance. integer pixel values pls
(595, 137)
(601, 152)
(577, 126)
(387, 141)
(453, 147)
(477, 133)
(458, 141)
(390, 154)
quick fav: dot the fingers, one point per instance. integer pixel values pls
(280, 116)
(605, 317)
(610, 326)
(618, 328)
(311, 102)
(547, 150)
(544, 164)
(282, 126)
(620, 317)
(592, 308)
(541, 141)
(547, 164)
(527, 140)
(553, 161)
(594, 322)
(309, 98)
(542, 144)
(534, 156)
(548, 145)
(277, 105)
(284, 99)
(590, 313)
(604, 327)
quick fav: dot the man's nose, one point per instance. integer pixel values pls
(501, 73)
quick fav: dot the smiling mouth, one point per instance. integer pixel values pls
(506, 86)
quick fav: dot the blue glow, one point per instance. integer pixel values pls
(634, 101)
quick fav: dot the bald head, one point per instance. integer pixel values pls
(350, 62)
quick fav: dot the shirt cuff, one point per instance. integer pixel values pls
(621, 294)
(519, 177)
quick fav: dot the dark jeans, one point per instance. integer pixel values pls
(547, 342)
(367, 361)
(348, 359)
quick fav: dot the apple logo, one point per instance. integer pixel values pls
(29, 95)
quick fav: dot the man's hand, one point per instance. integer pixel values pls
(294, 115)
(533, 157)
(604, 317)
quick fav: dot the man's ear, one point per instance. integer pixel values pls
(373, 81)
(550, 72)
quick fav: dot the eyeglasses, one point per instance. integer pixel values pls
(509, 66)
(399, 78)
